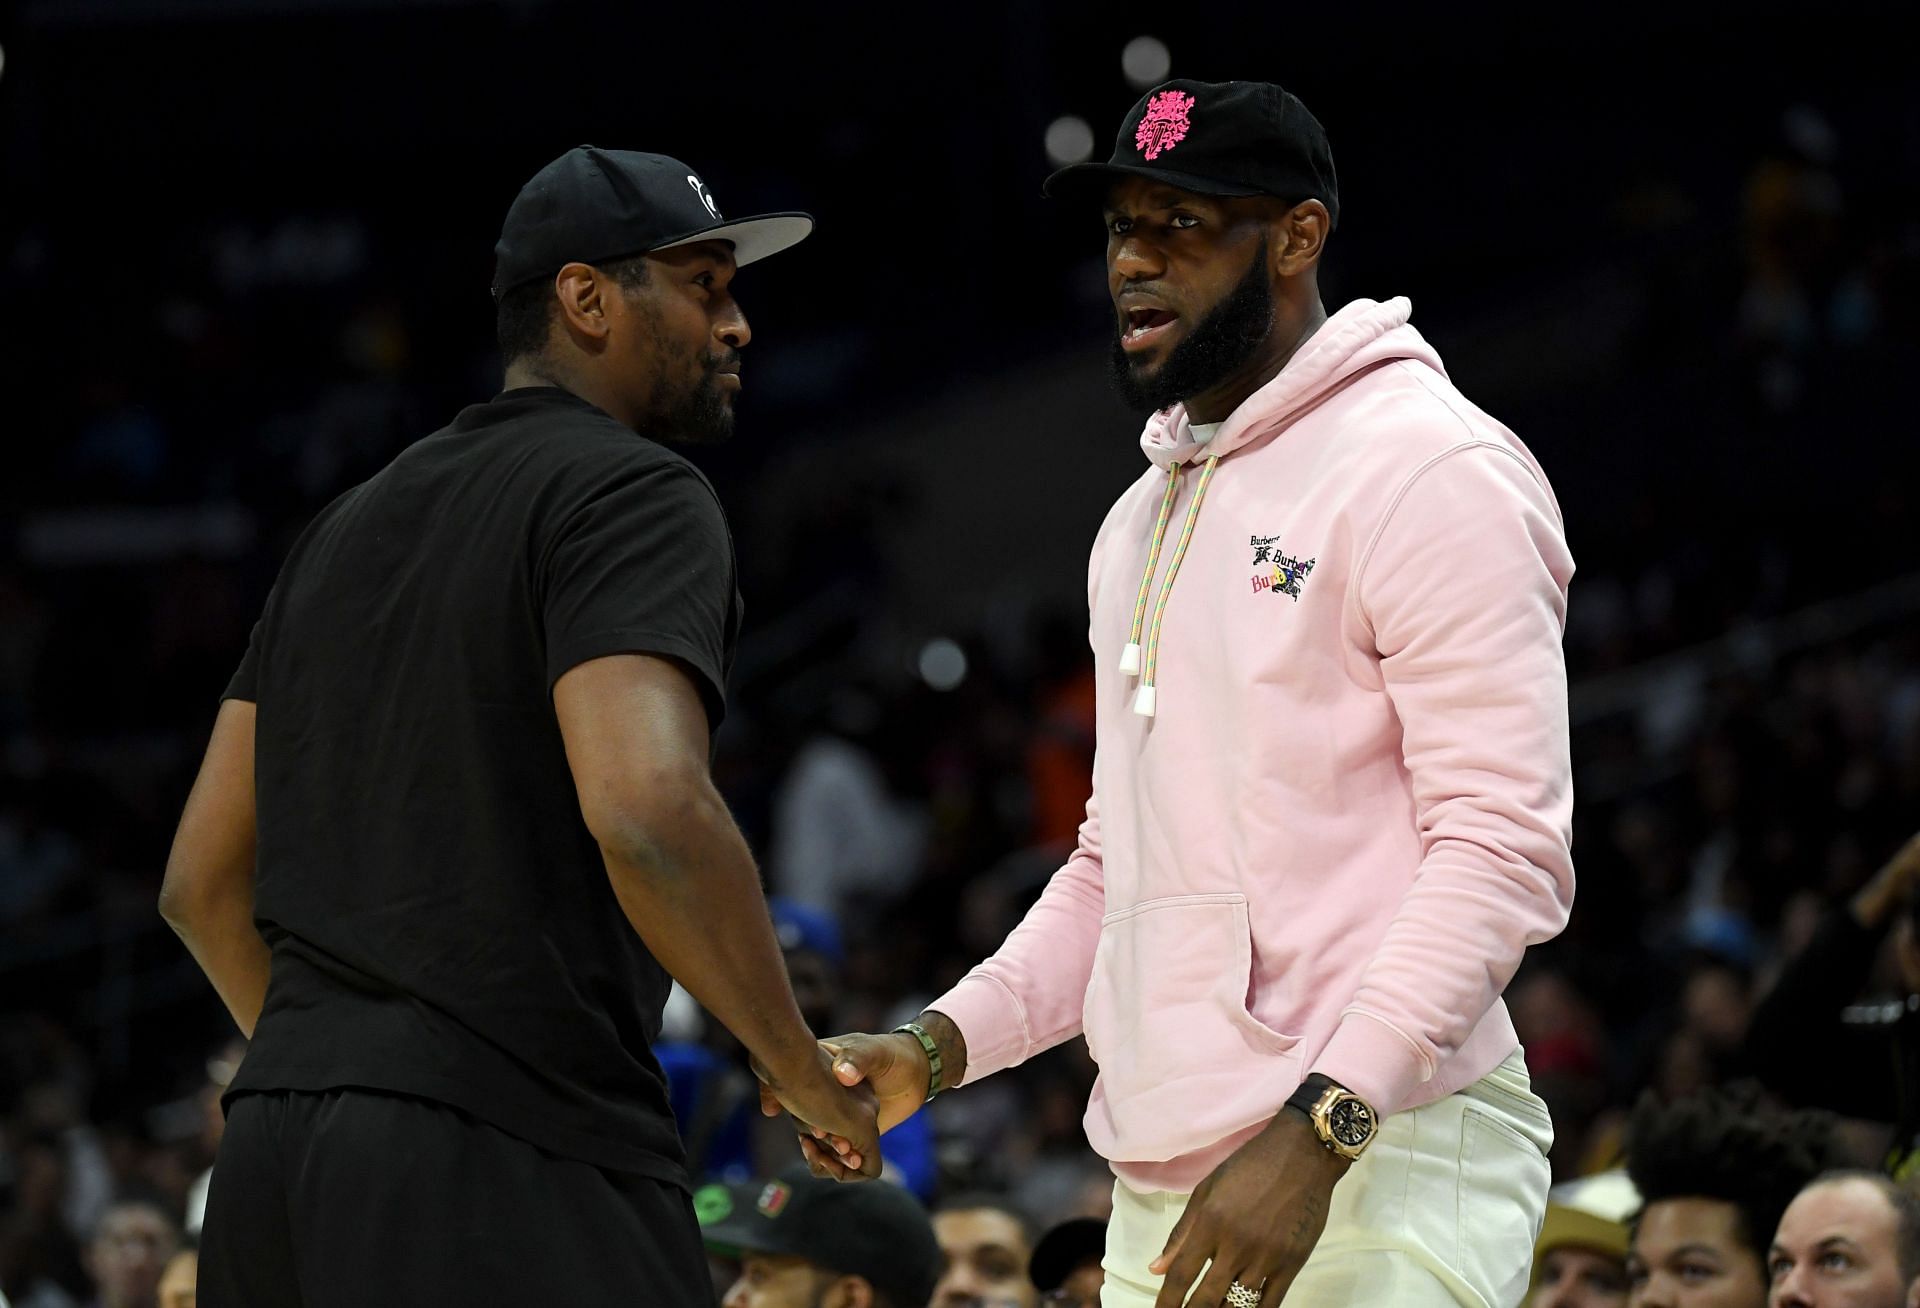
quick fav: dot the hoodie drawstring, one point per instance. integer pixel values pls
(1130, 656)
(1144, 697)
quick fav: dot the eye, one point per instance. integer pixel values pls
(1694, 1273)
(1119, 226)
(1835, 1261)
(1778, 1268)
(704, 280)
(1184, 220)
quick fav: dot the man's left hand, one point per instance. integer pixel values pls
(1257, 1217)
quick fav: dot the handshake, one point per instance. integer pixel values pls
(846, 1092)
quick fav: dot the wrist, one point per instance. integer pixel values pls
(1293, 1128)
(791, 1058)
(1340, 1121)
(951, 1044)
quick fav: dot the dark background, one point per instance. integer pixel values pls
(244, 253)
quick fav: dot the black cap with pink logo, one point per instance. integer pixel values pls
(1215, 138)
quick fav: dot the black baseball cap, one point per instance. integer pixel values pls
(872, 1229)
(593, 205)
(1215, 138)
(1064, 1249)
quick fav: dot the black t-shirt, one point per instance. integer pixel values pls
(440, 918)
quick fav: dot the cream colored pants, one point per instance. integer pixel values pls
(1441, 1210)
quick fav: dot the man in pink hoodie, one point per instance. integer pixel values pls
(1332, 798)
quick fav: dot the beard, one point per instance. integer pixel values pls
(703, 414)
(1211, 351)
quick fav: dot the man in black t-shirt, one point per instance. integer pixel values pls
(455, 828)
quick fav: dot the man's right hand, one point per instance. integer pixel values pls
(879, 1068)
(894, 1066)
(840, 1113)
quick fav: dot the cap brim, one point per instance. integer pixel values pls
(1084, 180)
(753, 238)
(738, 1235)
(1569, 1226)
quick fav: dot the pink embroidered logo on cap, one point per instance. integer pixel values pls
(1165, 123)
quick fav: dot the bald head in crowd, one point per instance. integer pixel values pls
(1849, 1240)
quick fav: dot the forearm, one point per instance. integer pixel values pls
(225, 943)
(689, 888)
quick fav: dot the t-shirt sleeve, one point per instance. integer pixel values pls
(644, 566)
(246, 678)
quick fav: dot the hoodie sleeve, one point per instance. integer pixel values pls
(1029, 996)
(1464, 592)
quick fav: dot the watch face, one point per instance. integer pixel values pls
(1350, 1122)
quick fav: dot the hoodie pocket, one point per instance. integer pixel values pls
(1183, 1064)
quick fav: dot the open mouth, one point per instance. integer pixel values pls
(1145, 325)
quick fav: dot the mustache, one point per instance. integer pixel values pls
(725, 361)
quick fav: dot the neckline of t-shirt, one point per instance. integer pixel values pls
(543, 393)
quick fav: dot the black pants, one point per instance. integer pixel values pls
(353, 1199)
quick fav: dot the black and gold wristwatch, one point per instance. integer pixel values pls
(1344, 1121)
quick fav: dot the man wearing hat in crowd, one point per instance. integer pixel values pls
(1580, 1259)
(805, 1242)
(1065, 1267)
(1332, 802)
(460, 783)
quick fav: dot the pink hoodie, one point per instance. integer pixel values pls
(1348, 812)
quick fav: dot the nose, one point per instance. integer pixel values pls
(732, 328)
(1656, 1293)
(1790, 1291)
(958, 1288)
(1135, 260)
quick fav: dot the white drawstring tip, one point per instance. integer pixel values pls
(1130, 659)
(1143, 701)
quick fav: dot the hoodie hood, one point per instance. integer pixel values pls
(1362, 334)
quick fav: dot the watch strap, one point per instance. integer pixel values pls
(934, 1062)
(1311, 1089)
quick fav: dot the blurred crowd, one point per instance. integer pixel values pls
(1744, 649)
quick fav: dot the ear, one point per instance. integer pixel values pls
(1298, 237)
(583, 293)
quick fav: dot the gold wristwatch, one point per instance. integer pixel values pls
(1344, 1121)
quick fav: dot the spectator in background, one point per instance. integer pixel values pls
(839, 832)
(213, 1124)
(988, 1245)
(1869, 1055)
(1065, 1267)
(1580, 1259)
(808, 1242)
(178, 1284)
(1849, 1240)
(129, 1250)
(41, 1264)
(1714, 1172)
(716, 1099)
